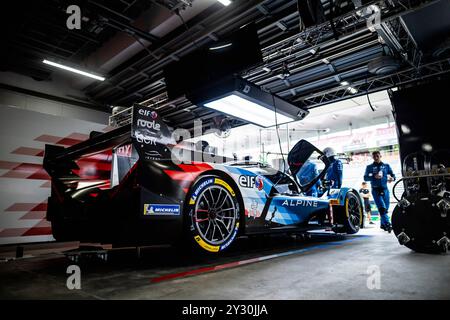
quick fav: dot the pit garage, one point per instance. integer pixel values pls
(224, 150)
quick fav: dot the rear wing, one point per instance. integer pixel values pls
(145, 132)
(59, 161)
(150, 136)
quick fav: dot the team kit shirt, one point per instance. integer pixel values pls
(381, 168)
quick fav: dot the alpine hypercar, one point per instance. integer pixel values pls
(136, 185)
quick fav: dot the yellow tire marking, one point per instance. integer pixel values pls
(224, 184)
(206, 246)
(346, 208)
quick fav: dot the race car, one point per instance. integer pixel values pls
(138, 184)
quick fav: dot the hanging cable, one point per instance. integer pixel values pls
(368, 98)
(177, 12)
(279, 139)
(300, 21)
(144, 46)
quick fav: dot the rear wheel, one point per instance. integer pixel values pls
(212, 215)
(352, 214)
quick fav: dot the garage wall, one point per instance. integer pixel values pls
(27, 123)
(32, 103)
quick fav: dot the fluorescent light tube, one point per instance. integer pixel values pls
(241, 108)
(221, 47)
(84, 73)
(225, 2)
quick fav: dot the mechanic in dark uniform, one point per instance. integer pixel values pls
(336, 169)
(379, 174)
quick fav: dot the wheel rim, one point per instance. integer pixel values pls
(215, 215)
(354, 211)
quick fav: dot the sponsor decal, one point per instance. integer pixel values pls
(333, 191)
(124, 151)
(259, 183)
(161, 209)
(141, 138)
(153, 115)
(247, 181)
(146, 112)
(198, 189)
(206, 246)
(253, 212)
(148, 124)
(226, 185)
(152, 155)
(299, 202)
(231, 238)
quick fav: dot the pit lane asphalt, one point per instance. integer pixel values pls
(327, 266)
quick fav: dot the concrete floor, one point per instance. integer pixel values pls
(324, 267)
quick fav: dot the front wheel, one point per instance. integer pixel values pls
(212, 214)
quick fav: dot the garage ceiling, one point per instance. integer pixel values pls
(131, 41)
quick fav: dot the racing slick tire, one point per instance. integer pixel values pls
(212, 215)
(352, 214)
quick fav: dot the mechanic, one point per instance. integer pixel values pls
(306, 174)
(379, 174)
(336, 169)
(365, 194)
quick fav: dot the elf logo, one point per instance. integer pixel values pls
(148, 113)
(247, 181)
(251, 182)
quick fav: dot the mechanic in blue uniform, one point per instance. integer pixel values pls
(379, 174)
(336, 169)
(306, 174)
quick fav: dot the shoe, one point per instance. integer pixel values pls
(389, 228)
(371, 222)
